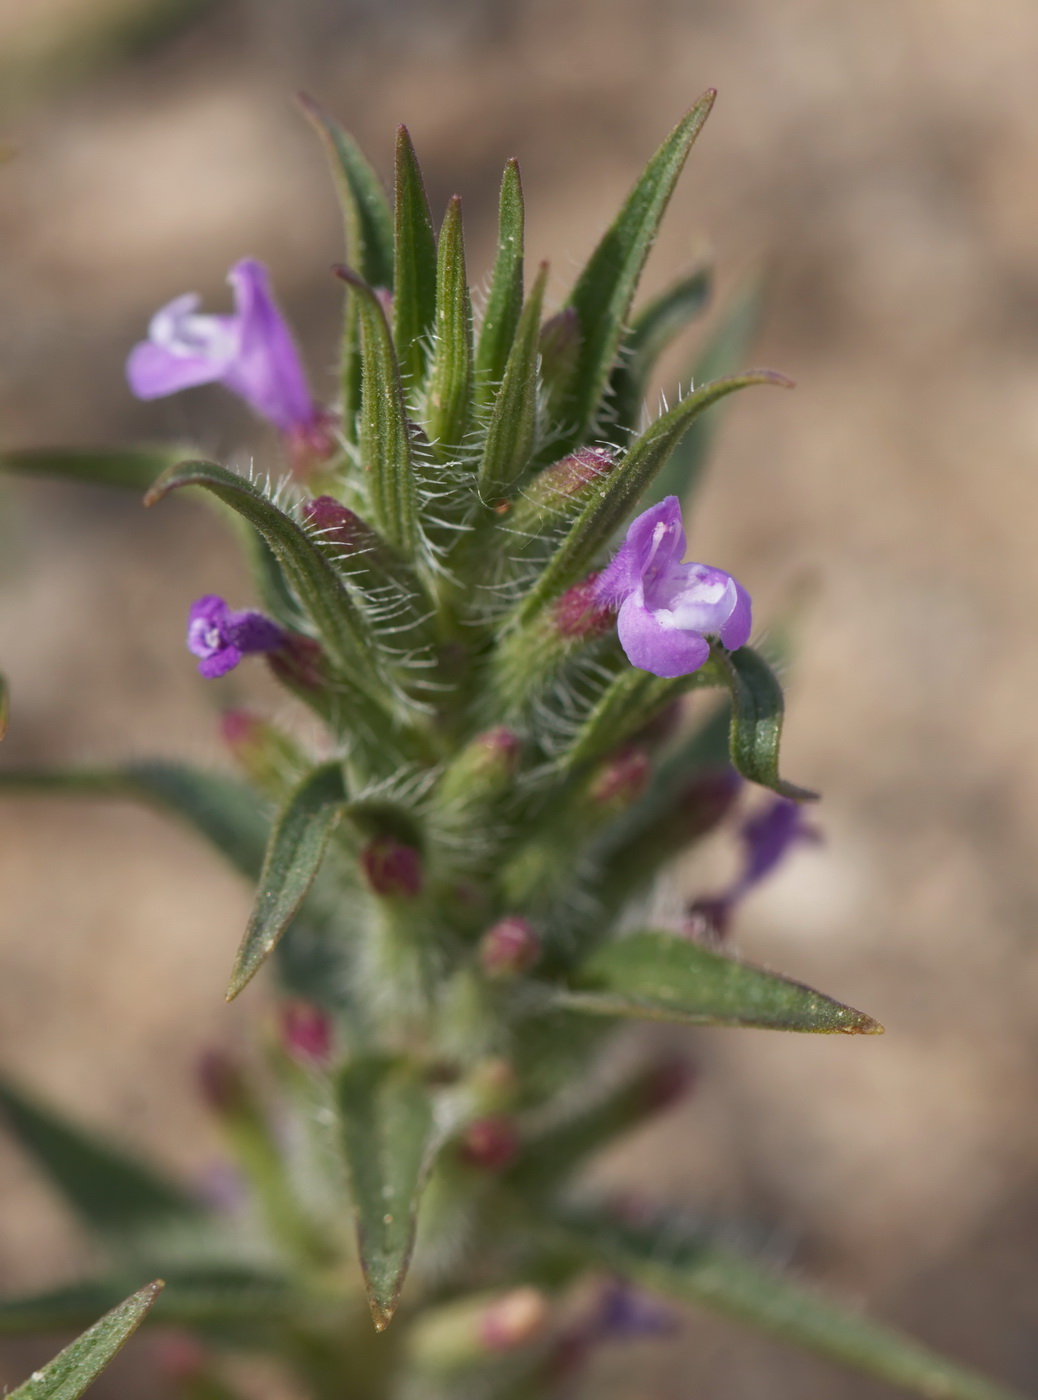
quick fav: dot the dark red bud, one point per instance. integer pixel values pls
(240, 729)
(666, 1082)
(579, 613)
(220, 1081)
(299, 662)
(337, 523)
(312, 444)
(179, 1355)
(306, 1032)
(508, 948)
(622, 781)
(570, 476)
(705, 801)
(490, 1143)
(392, 868)
(708, 920)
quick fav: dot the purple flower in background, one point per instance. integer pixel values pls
(668, 609)
(767, 836)
(220, 637)
(251, 352)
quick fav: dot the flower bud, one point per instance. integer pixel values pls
(483, 768)
(579, 613)
(666, 1082)
(704, 802)
(514, 1320)
(622, 780)
(568, 479)
(306, 1033)
(490, 1143)
(391, 868)
(339, 525)
(299, 662)
(267, 757)
(509, 948)
(221, 1082)
(560, 346)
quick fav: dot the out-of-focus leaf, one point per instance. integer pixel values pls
(449, 402)
(662, 977)
(72, 1370)
(385, 441)
(687, 1264)
(724, 352)
(512, 431)
(650, 332)
(757, 710)
(618, 491)
(505, 300)
(5, 705)
(293, 856)
(108, 1189)
(342, 628)
(629, 702)
(414, 280)
(604, 291)
(134, 468)
(366, 215)
(390, 1139)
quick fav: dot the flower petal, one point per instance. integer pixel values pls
(154, 371)
(267, 371)
(219, 663)
(663, 651)
(655, 540)
(735, 632)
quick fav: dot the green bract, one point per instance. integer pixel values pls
(490, 761)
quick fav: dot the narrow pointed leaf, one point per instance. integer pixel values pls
(619, 490)
(385, 439)
(688, 1264)
(512, 431)
(366, 214)
(757, 710)
(661, 977)
(133, 468)
(414, 280)
(294, 853)
(724, 352)
(505, 301)
(449, 404)
(72, 1370)
(603, 294)
(108, 1189)
(342, 628)
(220, 808)
(389, 1140)
(651, 331)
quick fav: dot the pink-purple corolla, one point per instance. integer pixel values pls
(251, 352)
(668, 609)
(220, 637)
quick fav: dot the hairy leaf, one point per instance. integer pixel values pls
(512, 431)
(505, 300)
(688, 1264)
(293, 857)
(414, 279)
(108, 1189)
(449, 403)
(757, 709)
(389, 1140)
(603, 293)
(661, 977)
(72, 1370)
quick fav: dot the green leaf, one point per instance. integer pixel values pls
(385, 439)
(449, 404)
(603, 294)
(757, 709)
(109, 1190)
(505, 300)
(687, 1264)
(390, 1140)
(135, 468)
(724, 352)
(342, 629)
(294, 853)
(512, 431)
(72, 1370)
(661, 977)
(631, 700)
(619, 490)
(665, 317)
(366, 215)
(414, 281)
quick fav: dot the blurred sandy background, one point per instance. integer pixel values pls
(883, 160)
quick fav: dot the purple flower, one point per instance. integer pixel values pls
(767, 836)
(624, 1312)
(220, 637)
(668, 609)
(251, 352)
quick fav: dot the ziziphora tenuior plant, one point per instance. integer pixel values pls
(471, 570)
